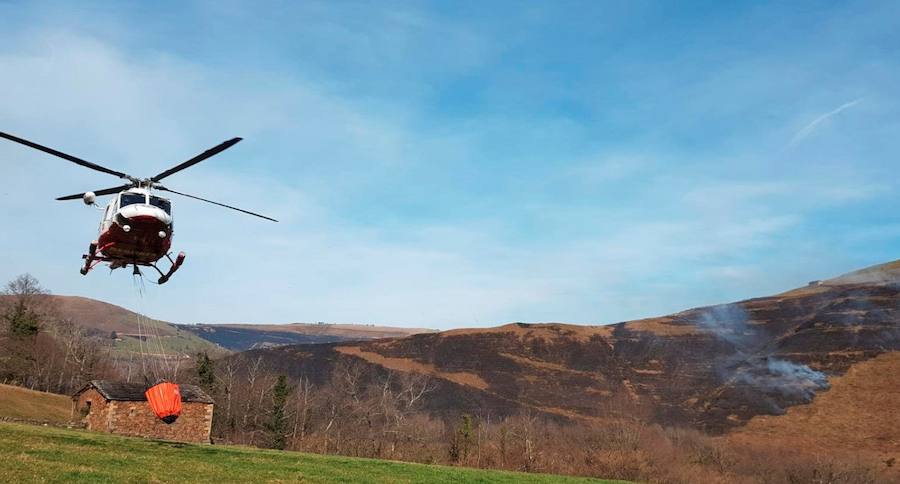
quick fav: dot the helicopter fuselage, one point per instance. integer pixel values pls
(137, 232)
(136, 229)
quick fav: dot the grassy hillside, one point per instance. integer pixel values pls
(104, 317)
(21, 403)
(858, 413)
(101, 320)
(178, 343)
(42, 454)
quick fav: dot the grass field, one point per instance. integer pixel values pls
(24, 404)
(181, 343)
(47, 454)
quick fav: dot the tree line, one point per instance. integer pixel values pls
(41, 350)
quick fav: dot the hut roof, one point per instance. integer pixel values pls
(134, 392)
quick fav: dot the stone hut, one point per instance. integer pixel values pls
(122, 408)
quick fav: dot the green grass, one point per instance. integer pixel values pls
(173, 339)
(46, 454)
(21, 403)
(181, 343)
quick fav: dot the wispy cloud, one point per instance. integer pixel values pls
(807, 130)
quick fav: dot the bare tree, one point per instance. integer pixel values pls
(226, 375)
(302, 410)
(26, 311)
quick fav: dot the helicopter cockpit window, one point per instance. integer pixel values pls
(131, 199)
(162, 203)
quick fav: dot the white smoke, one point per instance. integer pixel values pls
(728, 322)
(785, 377)
(754, 363)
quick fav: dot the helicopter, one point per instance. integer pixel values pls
(137, 225)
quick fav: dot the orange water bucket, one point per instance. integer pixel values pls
(165, 400)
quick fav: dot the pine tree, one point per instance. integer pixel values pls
(21, 320)
(22, 317)
(206, 368)
(462, 439)
(277, 425)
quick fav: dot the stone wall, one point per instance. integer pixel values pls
(98, 417)
(137, 419)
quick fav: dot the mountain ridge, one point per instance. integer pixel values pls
(106, 320)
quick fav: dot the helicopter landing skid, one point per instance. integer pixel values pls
(163, 278)
(95, 256)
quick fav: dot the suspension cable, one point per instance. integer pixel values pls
(164, 364)
(153, 331)
(136, 284)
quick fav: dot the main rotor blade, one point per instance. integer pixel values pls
(197, 159)
(160, 187)
(77, 161)
(105, 191)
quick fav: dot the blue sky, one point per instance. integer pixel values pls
(457, 164)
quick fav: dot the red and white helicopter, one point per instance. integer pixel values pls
(137, 226)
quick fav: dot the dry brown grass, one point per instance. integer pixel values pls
(662, 327)
(101, 316)
(546, 365)
(23, 404)
(409, 365)
(540, 330)
(877, 274)
(860, 413)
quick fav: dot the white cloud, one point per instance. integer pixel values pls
(807, 130)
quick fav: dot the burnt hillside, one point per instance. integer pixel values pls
(713, 368)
